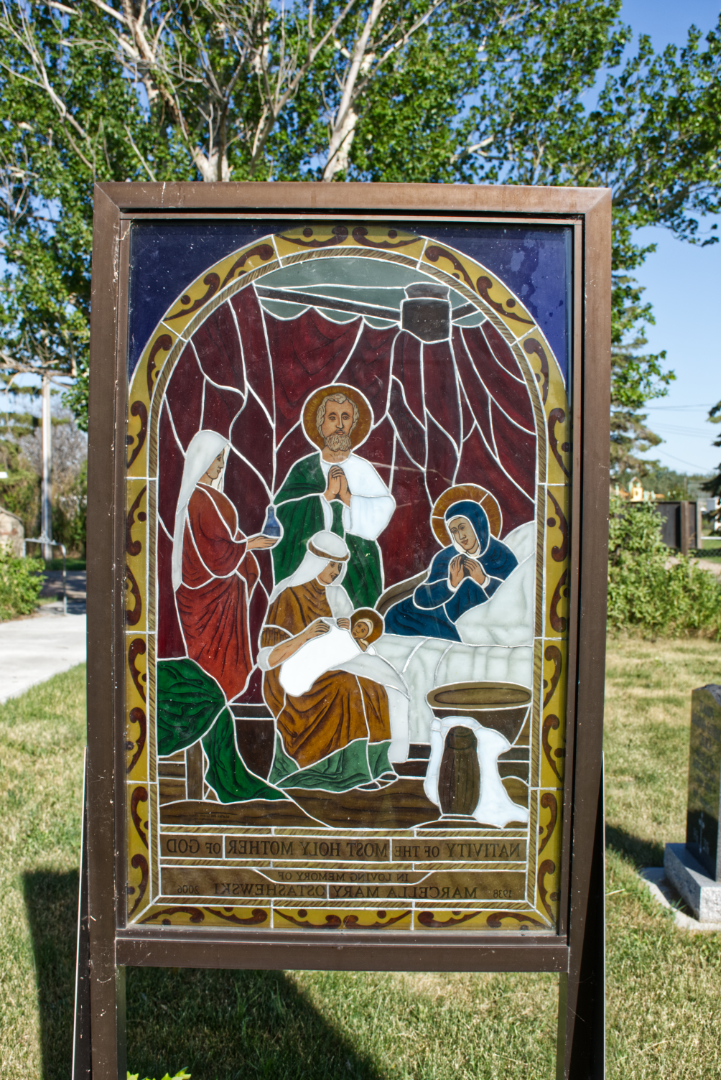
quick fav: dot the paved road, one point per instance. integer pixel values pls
(35, 649)
(75, 584)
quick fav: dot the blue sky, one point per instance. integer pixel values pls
(683, 282)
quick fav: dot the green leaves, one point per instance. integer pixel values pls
(65, 110)
(646, 591)
(20, 584)
(434, 91)
(537, 68)
(653, 137)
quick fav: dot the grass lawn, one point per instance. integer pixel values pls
(664, 984)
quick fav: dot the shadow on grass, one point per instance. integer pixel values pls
(227, 1025)
(634, 849)
(221, 1025)
(51, 902)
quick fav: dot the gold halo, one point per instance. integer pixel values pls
(370, 616)
(365, 415)
(473, 493)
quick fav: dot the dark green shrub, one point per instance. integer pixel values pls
(20, 584)
(652, 588)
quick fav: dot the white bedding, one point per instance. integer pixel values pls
(507, 618)
(497, 641)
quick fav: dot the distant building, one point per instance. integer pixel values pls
(680, 519)
(637, 493)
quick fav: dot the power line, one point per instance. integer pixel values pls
(687, 433)
(680, 408)
(701, 468)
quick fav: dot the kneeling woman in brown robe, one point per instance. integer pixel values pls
(336, 735)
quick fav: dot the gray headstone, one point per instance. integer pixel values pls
(704, 780)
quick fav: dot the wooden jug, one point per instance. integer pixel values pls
(459, 779)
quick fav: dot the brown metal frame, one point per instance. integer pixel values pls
(576, 952)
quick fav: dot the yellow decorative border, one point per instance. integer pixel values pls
(547, 738)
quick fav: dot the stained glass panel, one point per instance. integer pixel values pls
(347, 606)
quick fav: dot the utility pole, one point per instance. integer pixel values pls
(46, 523)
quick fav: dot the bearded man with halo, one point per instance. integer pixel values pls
(336, 490)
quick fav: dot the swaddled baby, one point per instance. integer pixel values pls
(345, 640)
(366, 626)
(348, 646)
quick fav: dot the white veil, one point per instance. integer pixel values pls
(336, 650)
(203, 450)
(322, 547)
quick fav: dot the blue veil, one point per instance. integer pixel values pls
(497, 558)
(434, 608)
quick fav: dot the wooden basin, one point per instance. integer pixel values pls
(501, 706)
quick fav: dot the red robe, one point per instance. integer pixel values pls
(219, 575)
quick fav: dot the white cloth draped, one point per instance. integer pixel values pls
(371, 503)
(337, 651)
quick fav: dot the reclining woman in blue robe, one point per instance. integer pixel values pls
(461, 577)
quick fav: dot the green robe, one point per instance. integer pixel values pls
(191, 706)
(300, 512)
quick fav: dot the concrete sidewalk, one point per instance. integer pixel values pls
(33, 650)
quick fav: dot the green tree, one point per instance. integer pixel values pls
(380, 90)
(649, 592)
(713, 486)
(20, 490)
(95, 91)
(20, 584)
(654, 138)
(66, 113)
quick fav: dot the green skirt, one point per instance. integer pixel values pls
(356, 764)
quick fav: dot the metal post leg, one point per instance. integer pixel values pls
(99, 1046)
(581, 1051)
(82, 1069)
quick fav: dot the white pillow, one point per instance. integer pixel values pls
(507, 618)
(522, 541)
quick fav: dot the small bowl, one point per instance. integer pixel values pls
(501, 706)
